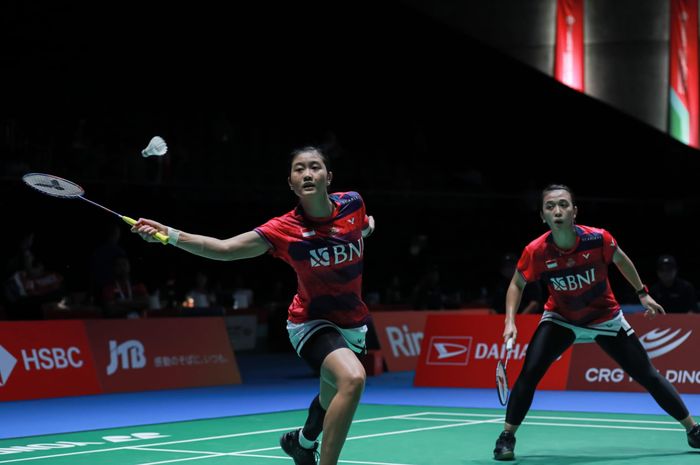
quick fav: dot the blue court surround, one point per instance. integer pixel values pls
(276, 382)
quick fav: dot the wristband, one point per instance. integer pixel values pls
(643, 291)
(173, 236)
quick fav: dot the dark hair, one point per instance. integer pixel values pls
(310, 148)
(556, 187)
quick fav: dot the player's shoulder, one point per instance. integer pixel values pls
(344, 198)
(539, 243)
(590, 233)
(291, 218)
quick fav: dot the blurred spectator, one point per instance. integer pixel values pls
(27, 289)
(393, 293)
(103, 257)
(242, 295)
(124, 297)
(428, 292)
(201, 295)
(531, 301)
(17, 258)
(674, 294)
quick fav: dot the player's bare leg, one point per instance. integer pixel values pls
(342, 383)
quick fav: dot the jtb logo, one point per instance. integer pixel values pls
(327, 256)
(573, 282)
(129, 354)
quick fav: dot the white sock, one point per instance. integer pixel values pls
(305, 443)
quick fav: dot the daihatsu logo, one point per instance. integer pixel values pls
(7, 364)
(449, 350)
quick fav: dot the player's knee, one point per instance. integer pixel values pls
(531, 376)
(353, 381)
(647, 378)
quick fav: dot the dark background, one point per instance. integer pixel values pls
(442, 135)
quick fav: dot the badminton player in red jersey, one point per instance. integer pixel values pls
(323, 240)
(573, 260)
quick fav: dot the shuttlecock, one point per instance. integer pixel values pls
(156, 146)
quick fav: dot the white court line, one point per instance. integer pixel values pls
(603, 426)
(182, 460)
(183, 441)
(537, 417)
(209, 438)
(339, 461)
(243, 454)
(494, 418)
(413, 430)
(178, 451)
(428, 428)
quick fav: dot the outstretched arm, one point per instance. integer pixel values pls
(513, 296)
(628, 270)
(246, 245)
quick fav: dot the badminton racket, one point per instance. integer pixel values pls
(501, 376)
(65, 189)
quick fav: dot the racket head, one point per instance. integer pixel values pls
(502, 383)
(53, 185)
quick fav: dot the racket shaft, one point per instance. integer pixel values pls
(98, 205)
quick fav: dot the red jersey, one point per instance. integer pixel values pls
(577, 279)
(327, 257)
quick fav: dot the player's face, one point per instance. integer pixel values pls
(558, 211)
(309, 175)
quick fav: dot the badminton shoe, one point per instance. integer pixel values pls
(505, 446)
(290, 445)
(694, 436)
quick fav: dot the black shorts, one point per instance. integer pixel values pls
(320, 344)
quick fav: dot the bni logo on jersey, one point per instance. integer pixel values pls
(327, 256)
(449, 350)
(573, 282)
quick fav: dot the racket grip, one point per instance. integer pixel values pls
(161, 237)
(509, 344)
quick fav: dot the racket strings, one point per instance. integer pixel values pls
(53, 185)
(502, 383)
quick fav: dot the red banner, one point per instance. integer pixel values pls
(132, 355)
(45, 359)
(684, 102)
(672, 343)
(569, 47)
(462, 351)
(400, 335)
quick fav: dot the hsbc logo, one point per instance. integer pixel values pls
(337, 254)
(449, 350)
(658, 342)
(7, 364)
(44, 358)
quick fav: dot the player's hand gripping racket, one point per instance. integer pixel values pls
(501, 377)
(65, 189)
